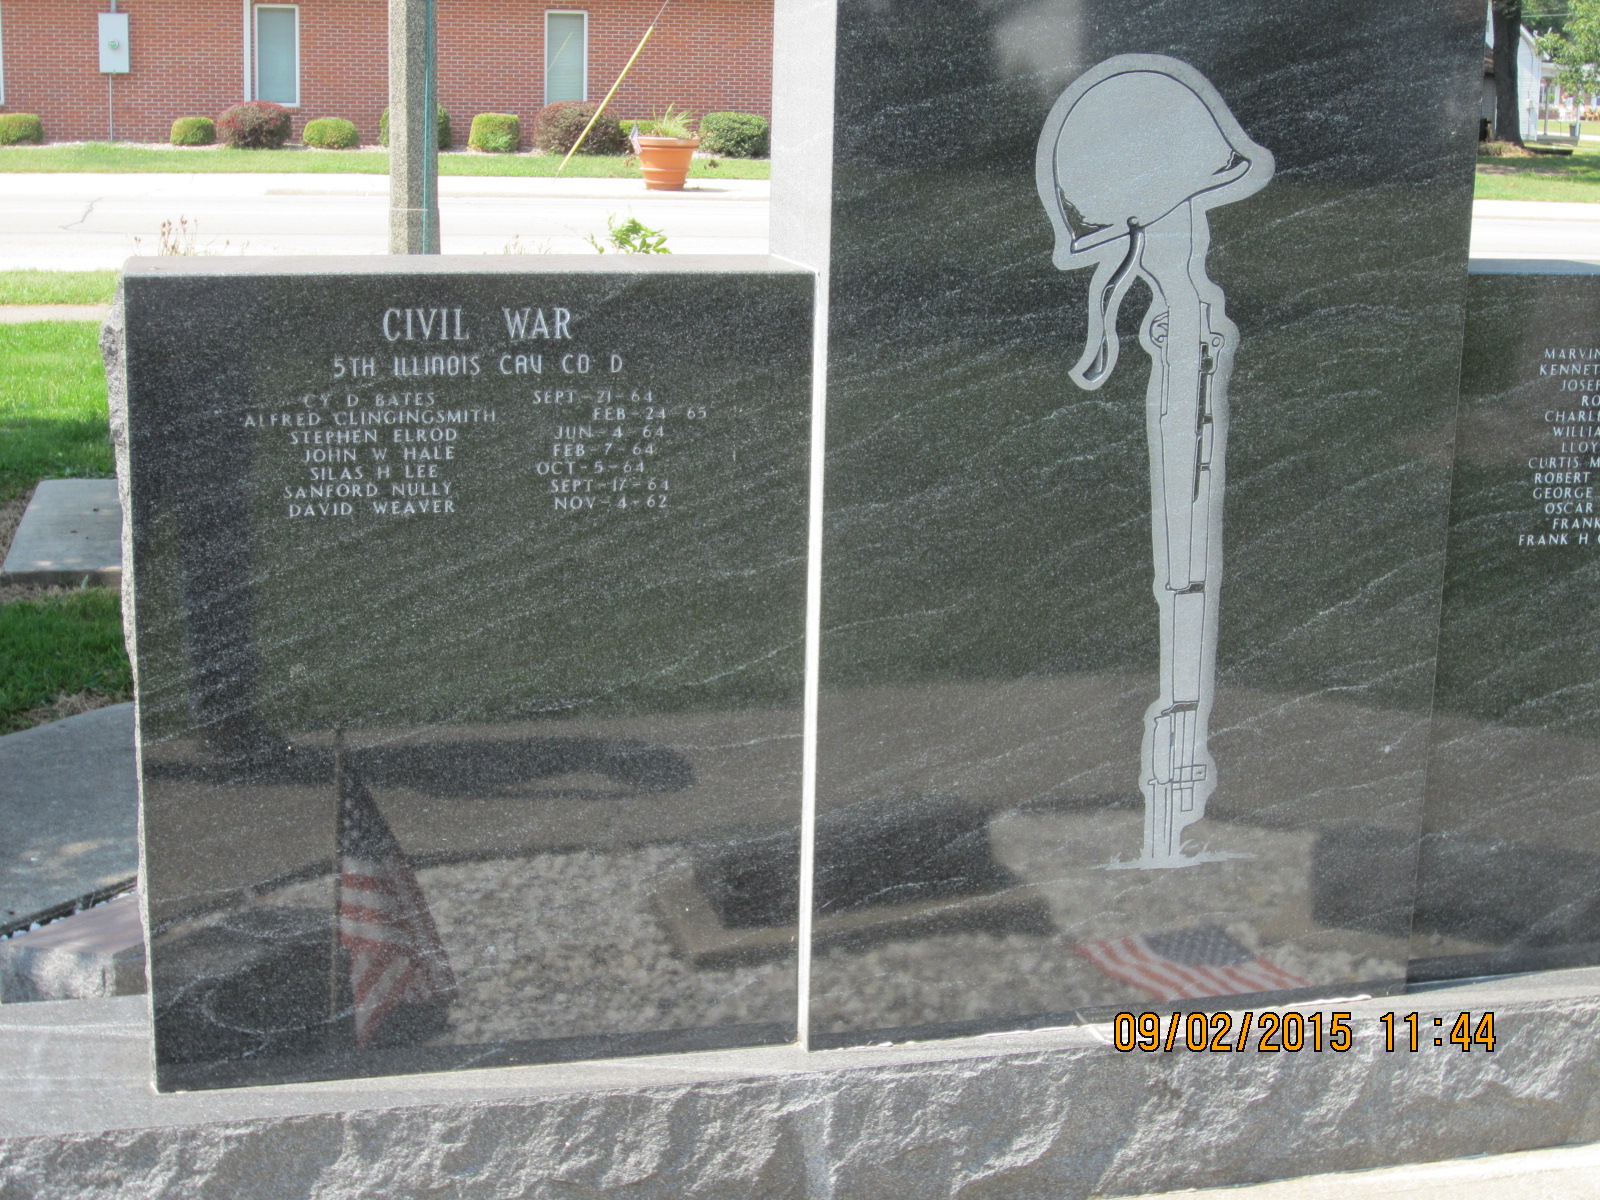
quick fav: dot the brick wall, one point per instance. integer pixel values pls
(188, 60)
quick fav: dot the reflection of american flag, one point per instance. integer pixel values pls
(396, 957)
(1187, 964)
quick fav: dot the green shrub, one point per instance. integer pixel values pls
(193, 131)
(737, 135)
(496, 133)
(559, 125)
(645, 128)
(16, 128)
(331, 133)
(255, 125)
(443, 134)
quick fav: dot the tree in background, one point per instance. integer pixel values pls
(1506, 19)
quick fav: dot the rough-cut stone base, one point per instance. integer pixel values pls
(1057, 1114)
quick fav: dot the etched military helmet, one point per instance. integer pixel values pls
(1131, 140)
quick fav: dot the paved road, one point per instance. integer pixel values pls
(92, 221)
(1524, 230)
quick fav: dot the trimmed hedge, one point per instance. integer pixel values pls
(193, 131)
(737, 135)
(255, 125)
(496, 133)
(443, 132)
(16, 128)
(557, 126)
(331, 133)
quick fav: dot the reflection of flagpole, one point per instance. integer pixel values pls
(334, 997)
(628, 66)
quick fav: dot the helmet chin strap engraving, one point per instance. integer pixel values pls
(1110, 286)
(1133, 156)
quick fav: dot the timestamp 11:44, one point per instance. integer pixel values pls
(1410, 1031)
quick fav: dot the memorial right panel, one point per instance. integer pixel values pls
(1145, 326)
(1510, 870)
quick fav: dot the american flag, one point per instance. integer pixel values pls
(1187, 964)
(400, 982)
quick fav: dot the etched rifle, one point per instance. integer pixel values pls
(1133, 156)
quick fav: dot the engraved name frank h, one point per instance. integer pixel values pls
(1132, 157)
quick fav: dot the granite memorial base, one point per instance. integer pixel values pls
(96, 952)
(1047, 1115)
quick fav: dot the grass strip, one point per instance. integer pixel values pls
(1569, 178)
(121, 159)
(57, 287)
(53, 418)
(60, 646)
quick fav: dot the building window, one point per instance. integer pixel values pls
(566, 56)
(2, 58)
(278, 53)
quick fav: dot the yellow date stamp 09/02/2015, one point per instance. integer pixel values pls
(1274, 1031)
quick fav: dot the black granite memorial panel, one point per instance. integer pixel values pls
(1510, 868)
(1167, 623)
(488, 580)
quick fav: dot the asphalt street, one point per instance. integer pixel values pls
(1524, 230)
(86, 221)
(71, 221)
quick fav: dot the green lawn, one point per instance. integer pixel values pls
(122, 159)
(1574, 177)
(53, 425)
(60, 645)
(57, 287)
(53, 421)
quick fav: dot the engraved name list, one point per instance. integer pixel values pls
(1563, 473)
(390, 428)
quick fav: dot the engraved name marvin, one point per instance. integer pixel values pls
(400, 433)
(1133, 156)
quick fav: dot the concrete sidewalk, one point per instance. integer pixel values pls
(68, 810)
(70, 534)
(86, 221)
(25, 314)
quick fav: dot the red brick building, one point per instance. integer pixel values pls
(328, 58)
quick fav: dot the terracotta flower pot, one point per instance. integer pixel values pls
(664, 160)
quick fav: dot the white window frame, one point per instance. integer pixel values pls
(2, 57)
(584, 50)
(255, 52)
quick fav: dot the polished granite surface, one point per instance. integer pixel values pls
(488, 578)
(1510, 873)
(997, 677)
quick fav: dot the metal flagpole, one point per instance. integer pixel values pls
(634, 57)
(334, 990)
